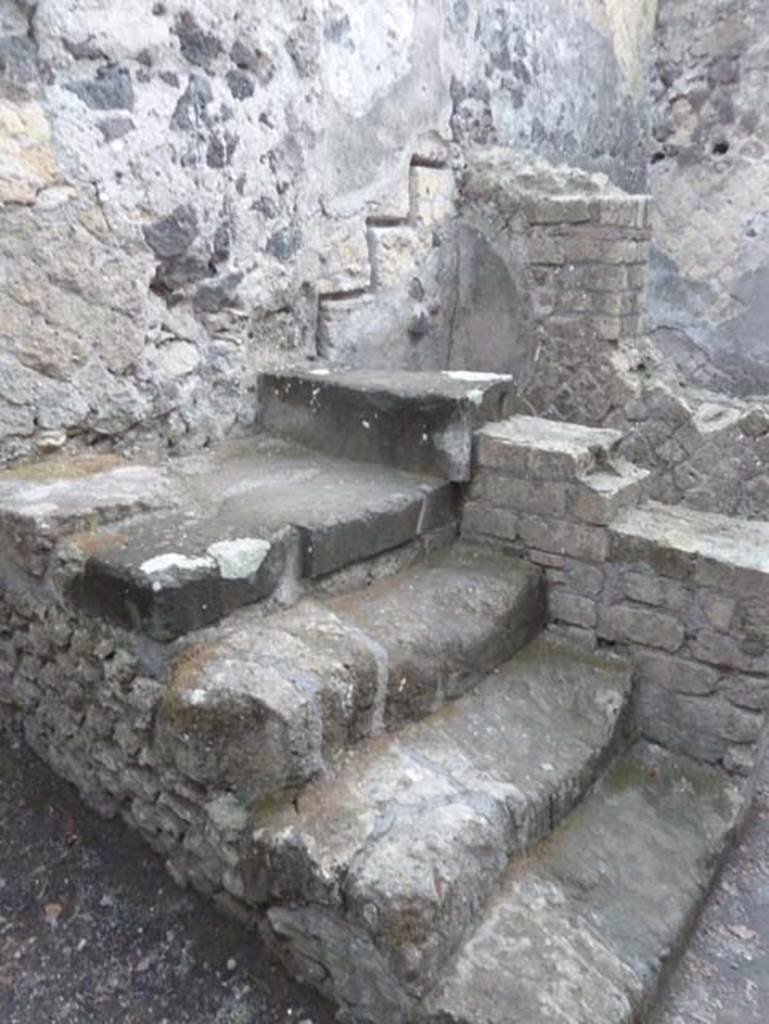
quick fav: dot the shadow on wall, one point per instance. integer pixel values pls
(491, 328)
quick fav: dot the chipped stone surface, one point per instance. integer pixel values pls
(578, 932)
(404, 843)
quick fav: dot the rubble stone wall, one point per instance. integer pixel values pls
(106, 708)
(180, 181)
(685, 593)
(77, 689)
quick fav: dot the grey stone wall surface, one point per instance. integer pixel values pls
(710, 179)
(181, 182)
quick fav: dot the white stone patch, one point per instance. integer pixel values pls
(474, 376)
(196, 697)
(162, 563)
(239, 559)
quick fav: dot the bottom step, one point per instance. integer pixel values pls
(583, 929)
(386, 863)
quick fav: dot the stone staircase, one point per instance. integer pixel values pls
(314, 669)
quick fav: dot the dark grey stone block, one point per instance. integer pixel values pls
(421, 421)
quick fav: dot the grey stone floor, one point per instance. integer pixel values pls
(724, 976)
(92, 931)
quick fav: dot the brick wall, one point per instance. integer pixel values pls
(685, 593)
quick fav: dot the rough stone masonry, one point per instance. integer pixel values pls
(344, 349)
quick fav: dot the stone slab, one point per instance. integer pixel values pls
(682, 542)
(345, 511)
(406, 840)
(244, 507)
(168, 574)
(41, 502)
(582, 930)
(418, 421)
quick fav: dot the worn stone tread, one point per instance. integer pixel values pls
(261, 704)
(695, 540)
(420, 421)
(226, 542)
(41, 502)
(445, 623)
(583, 928)
(404, 842)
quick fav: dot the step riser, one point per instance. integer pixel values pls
(429, 433)
(393, 987)
(428, 668)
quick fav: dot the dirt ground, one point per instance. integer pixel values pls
(93, 931)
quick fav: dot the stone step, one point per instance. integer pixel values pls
(44, 501)
(262, 705)
(418, 421)
(582, 930)
(374, 875)
(245, 517)
(548, 450)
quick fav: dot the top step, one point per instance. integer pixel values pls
(418, 421)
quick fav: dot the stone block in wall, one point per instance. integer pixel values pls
(599, 496)
(624, 623)
(519, 494)
(432, 195)
(344, 258)
(642, 536)
(593, 247)
(717, 552)
(564, 537)
(743, 691)
(545, 249)
(623, 211)
(539, 449)
(559, 209)
(585, 578)
(341, 322)
(572, 608)
(27, 162)
(397, 252)
(642, 587)
(479, 517)
(702, 726)
(731, 652)
(674, 673)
